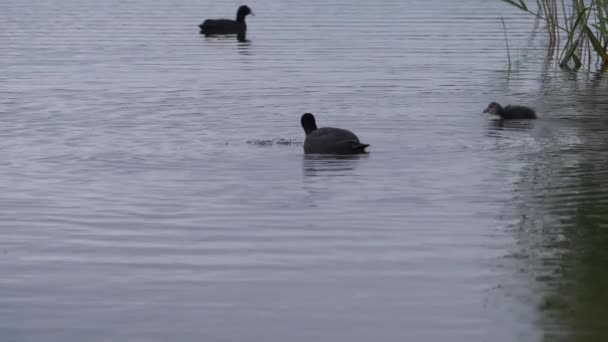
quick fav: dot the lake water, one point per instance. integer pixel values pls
(144, 194)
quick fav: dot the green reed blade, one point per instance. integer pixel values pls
(520, 5)
(596, 45)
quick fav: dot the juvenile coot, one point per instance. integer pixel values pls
(227, 26)
(328, 140)
(510, 112)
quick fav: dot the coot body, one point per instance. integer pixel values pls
(329, 140)
(227, 26)
(510, 112)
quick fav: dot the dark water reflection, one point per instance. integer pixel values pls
(241, 38)
(318, 165)
(500, 125)
(564, 210)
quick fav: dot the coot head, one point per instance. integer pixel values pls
(493, 108)
(244, 11)
(308, 122)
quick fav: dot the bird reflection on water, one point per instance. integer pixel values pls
(331, 165)
(240, 38)
(500, 124)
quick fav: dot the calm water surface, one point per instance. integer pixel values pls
(144, 196)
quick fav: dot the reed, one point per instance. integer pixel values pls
(581, 25)
(504, 27)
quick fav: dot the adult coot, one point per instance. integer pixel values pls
(510, 112)
(227, 26)
(328, 140)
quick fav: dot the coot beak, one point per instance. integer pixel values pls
(486, 110)
(251, 13)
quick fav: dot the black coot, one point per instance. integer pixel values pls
(328, 140)
(510, 112)
(226, 26)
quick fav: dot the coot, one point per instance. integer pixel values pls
(329, 140)
(227, 26)
(510, 112)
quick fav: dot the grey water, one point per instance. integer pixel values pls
(153, 185)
